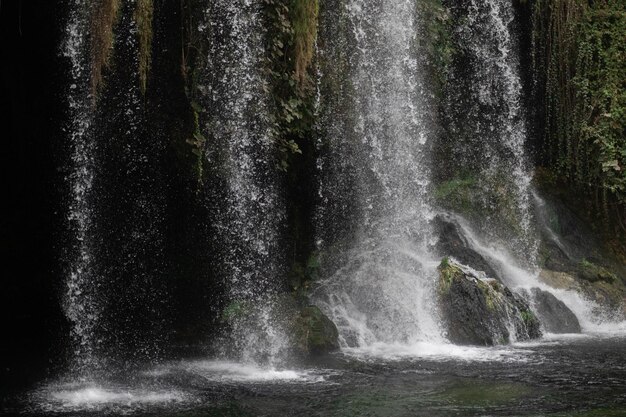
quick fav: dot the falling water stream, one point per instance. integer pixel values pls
(81, 302)
(249, 223)
(381, 290)
(376, 130)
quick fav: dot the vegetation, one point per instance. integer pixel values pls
(449, 272)
(580, 62)
(143, 17)
(592, 272)
(292, 30)
(103, 20)
(436, 40)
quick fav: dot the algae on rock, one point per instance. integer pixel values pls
(482, 312)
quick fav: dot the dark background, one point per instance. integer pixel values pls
(32, 113)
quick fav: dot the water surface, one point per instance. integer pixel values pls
(571, 375)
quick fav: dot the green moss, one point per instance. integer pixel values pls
(527, 317)
(448, 272)
(457, 193)
(593, 273)
(483, 197)
(435, 40)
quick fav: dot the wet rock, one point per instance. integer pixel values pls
(594, 273)
(481, 311)
(453, 244)
(557, 279)
(555, 316)
(315, 333)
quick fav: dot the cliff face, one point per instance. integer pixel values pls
(578, 65)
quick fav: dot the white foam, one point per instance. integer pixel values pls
(438, 351)
(92, 397)
(517, 277)
(226, 371)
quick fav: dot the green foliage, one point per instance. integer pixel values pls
(580, 56)
(301, 276)
(193, 58)
(457, 193)
(292, 30)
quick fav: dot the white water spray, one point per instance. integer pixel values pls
(81, 303)
(382, 288)
(250, 220)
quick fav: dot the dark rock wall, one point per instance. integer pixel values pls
(31, 114)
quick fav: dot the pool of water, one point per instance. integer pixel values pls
(558, 376)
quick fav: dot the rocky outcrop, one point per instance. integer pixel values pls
(481, 311)
(306, 331)
(555, 316)
(314, 333)
(452, 243)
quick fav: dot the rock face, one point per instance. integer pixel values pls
(555, 316)
(452, 243)
(481, 312)
(315, 333)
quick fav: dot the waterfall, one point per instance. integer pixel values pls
(373, 223)
(250, 218)
(116, 207)
(485, 99)
(81, 302)
(488, 123)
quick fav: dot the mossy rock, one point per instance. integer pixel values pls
(594, 273)
(483, 198)
(480, 311)
(315, 333)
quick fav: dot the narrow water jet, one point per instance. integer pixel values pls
(81, 302)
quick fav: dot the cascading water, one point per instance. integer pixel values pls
(249, 222)
(485, 99)
(81, 302)
(375, 176)
(488, 122)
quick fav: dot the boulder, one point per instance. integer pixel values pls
(481, 311)
(259, 327)
(557, 279)
(555, 316)
(315, 333)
